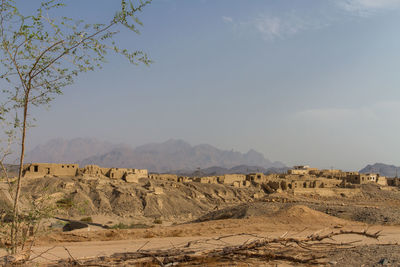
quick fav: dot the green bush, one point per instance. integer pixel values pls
(86, 219)
(64, 203)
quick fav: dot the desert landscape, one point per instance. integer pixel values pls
(199, 133)
(99, 218)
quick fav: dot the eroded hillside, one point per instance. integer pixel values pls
(113, 201)
(145, 201)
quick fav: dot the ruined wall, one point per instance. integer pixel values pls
(293, 184)
(206, 180)
(298, 172)
(240, 184)
(393, 181)
(95, 171)
(115, 173)
(232, 178)
(353, 178)
(184, 179)
(256, 177)
(164, 177)
(369, 177)
(313, 183)
(303, 170)
(338, 174)
(362, 178)
(36, 170)
(306, 170)
(120, 173)
(382, 180)
(298, 176)
(237, 180)
(313, 171)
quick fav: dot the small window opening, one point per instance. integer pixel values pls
(35, 168)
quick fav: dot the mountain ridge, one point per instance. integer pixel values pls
(382, 169)
(60, 150)
(240, 169)
(173, 154)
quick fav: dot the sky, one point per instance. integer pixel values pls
(304, 82)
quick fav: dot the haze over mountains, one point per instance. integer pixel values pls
(157, 157)
(60, 150)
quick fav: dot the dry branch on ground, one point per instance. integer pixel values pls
(313, 249)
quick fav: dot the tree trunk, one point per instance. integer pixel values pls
(14, 226)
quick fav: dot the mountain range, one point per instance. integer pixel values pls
(241, 169)
(175, 156)
(382, 169)
(61, 151)
(156, 157)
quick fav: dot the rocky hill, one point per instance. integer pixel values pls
(382, 169)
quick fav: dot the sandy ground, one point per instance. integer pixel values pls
(298, 221)
(80, 250)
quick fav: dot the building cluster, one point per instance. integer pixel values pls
(296, 178)
(299, 177)
(345, 177)
(37, 170)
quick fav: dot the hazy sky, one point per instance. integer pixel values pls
(302, 81)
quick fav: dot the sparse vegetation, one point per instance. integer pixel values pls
(130, 226)
(157, 221)
(65, 203)
(29, 222)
